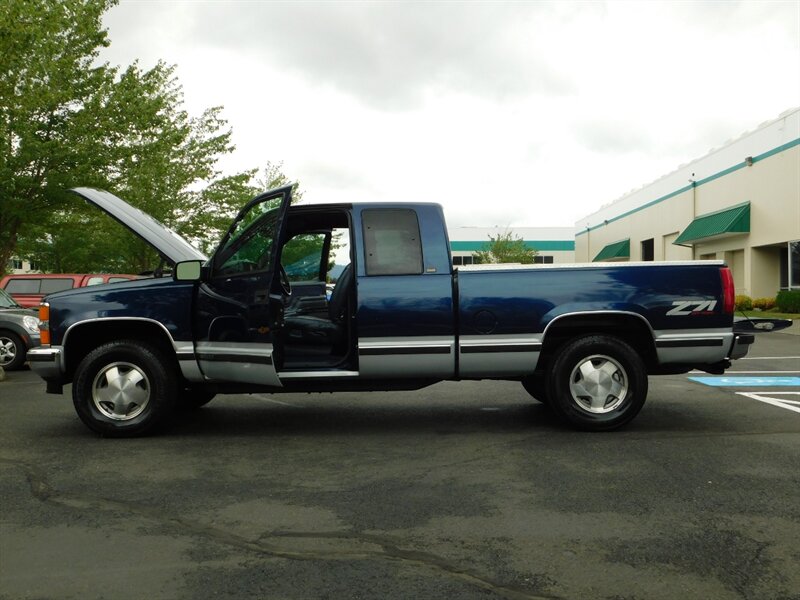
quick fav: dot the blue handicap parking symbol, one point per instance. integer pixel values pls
(723, 381)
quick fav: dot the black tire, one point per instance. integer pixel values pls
(536, 386)
(12, 351)
(124, 389)
(193, 397)
(597, 383)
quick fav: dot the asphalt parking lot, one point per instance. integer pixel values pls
(461, 490)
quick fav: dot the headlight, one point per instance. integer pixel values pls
(31, 324)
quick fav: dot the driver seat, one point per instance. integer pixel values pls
(308, 329)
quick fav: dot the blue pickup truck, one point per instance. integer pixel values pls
(259, 316)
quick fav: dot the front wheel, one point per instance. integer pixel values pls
(598, 383)
(124, 389)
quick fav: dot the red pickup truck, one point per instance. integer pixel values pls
(29, 289)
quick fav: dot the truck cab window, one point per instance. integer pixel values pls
(392, 242)
(249, 248)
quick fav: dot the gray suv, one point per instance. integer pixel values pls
(19, 331)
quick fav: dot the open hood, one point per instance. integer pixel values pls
(168, 243)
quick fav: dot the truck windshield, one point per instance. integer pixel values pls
(7, 301)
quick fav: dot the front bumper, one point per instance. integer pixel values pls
(47, 363)
(741, 345)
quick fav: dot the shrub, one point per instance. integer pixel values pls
(788, 301)
(744, 302)
(764, 303)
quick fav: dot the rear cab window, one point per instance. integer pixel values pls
(392, 244)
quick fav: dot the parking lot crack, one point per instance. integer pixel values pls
(329, 546)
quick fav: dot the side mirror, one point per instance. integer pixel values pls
(188, 270)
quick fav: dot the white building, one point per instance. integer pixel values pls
(20, 266)
(739, 203)
(554, 244)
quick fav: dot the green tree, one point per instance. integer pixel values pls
(210, 212)
(67, 121)
(53, 108)
(505, 248)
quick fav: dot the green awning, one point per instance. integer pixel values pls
(616, 251)
(722, 223)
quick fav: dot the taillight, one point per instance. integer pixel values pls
(44, 323)
(728, 291)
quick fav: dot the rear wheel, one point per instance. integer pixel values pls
(124, 389)
(598, 383)
(12, 351)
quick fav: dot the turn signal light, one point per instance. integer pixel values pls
(44, 323)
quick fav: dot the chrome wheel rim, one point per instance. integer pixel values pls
(121, 391)
(598, 384)
(8, 351)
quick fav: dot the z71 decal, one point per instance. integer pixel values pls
(683, 308)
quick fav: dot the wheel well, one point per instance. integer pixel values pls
(628, 328)
(84, 338)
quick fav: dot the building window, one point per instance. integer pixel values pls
(648, 249)
(15, 264)
(794, 264)
(462, 260)
(540, 259)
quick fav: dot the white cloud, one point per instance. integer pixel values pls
(524, 114)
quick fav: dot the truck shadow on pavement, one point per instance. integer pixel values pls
(363, 418)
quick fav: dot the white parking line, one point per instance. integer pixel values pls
(729, 371)
(767, 357)
(265, 398)
(792, 405)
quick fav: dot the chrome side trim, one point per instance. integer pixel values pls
(489, 349)
(700, 346)
(663, 334)
(316, 374)
(237, 362)
(394, 350)
(689, 343)
(407, 357)
(498, 355)
(187, 361)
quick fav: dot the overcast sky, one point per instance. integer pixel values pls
(510, 114)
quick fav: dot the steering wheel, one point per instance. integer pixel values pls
(283, 279)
